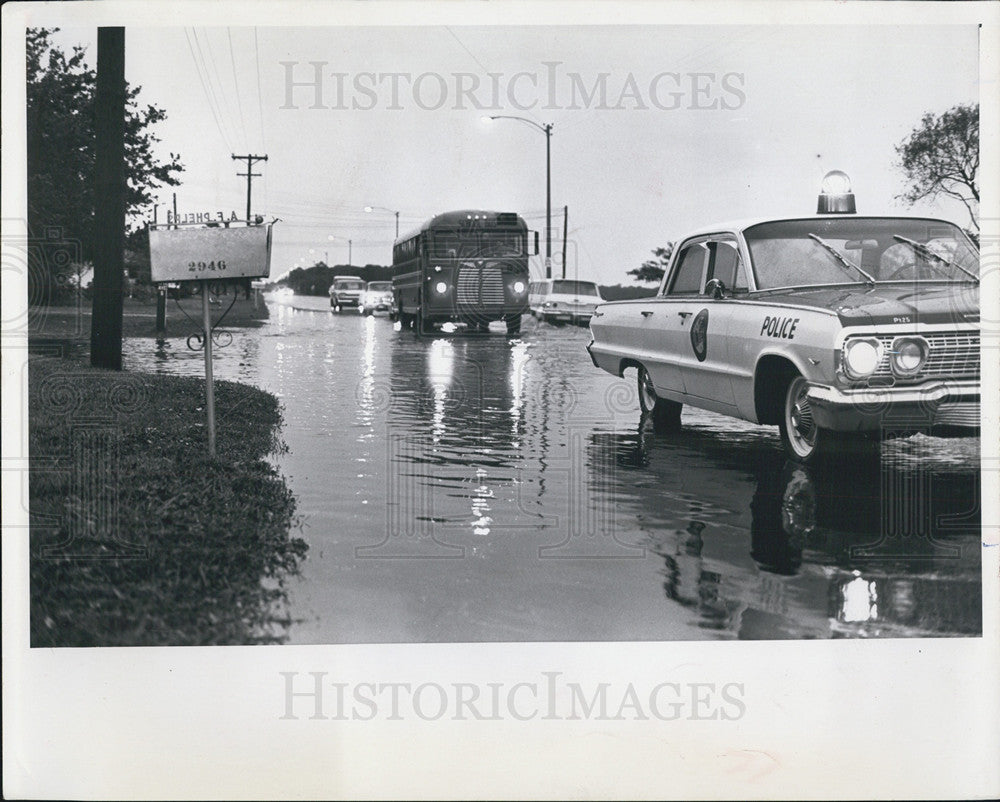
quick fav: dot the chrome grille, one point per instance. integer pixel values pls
(952, 414)
(478, 287)
(954, 354)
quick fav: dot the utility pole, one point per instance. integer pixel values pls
(250, 175)
(109, 215)
(161, 295)
(565, 228)
(350, 244)
(547, 128)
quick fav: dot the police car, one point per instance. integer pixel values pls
(838, 328)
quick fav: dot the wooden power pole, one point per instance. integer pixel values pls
(250, 174)
(109, 211)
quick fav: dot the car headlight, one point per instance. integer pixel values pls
(549, 305)
(441, 287)
(908, 355)
(518, 287)
(861, 357)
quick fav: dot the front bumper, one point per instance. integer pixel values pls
(567, 316)
(940, 406)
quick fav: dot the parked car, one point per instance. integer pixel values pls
(346, 291)
(837, 328)
(559, 300)
(377, 297)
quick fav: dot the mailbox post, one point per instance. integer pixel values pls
(207, 254)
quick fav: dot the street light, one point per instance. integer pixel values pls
(350, 242)
(546, 129)
(383, 209)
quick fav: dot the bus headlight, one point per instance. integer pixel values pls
(518, 287)
(861, 357)
(441, 287)
(908, 355)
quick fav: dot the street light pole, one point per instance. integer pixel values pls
(548, 200)
(371, 209)
(546, 129)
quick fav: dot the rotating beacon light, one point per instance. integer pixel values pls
(835, 195)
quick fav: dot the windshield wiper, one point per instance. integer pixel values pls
(919, 247)
(843, 260)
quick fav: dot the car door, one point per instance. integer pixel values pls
(706, 362)
(662, 326)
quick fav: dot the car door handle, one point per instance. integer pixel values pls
(646, 313)
(684, 315)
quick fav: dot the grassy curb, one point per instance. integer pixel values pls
(139, 318)
(137, 538)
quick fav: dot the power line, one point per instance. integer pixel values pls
(208, 98)
(208, 80)
(236, 86)
(218, 80)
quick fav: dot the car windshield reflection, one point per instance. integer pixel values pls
(786, 253)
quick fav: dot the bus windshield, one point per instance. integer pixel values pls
(455, 244)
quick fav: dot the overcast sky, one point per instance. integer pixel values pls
(696, 124)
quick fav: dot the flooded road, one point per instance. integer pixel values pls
(481, 488)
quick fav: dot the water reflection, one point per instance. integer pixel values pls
(455, 432)
(546, 513)
(830, 552)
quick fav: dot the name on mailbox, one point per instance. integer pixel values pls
(209, 254)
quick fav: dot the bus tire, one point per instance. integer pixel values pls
(421, 324)
(513, 325)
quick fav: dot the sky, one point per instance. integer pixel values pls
(697, 124)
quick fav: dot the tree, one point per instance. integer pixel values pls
(60, 150)
(941, 157)
(653, 269)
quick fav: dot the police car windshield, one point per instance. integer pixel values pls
(786, 253)
(349, 285)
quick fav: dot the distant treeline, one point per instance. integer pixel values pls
(316, 280)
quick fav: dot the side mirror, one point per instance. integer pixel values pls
(716, 287)
(536, 244)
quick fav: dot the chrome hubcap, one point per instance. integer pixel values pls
(802, 427)
(648, 393)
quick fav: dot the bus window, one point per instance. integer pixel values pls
(448, 244)
(506, 242)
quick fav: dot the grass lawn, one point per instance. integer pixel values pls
(139, 318)
(137, 538)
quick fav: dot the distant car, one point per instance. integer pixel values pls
(377, 297)
(839, 329)
(346, 291)
(558, 300)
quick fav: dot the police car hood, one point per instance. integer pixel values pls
(860, 305)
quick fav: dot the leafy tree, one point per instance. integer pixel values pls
(61, 92)
(653, 269)
(941, 157)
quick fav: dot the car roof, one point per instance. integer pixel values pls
(746, 222)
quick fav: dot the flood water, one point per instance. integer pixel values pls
(480, 488)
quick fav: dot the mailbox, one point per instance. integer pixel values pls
(210, 254)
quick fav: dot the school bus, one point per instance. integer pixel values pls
(468, 267)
